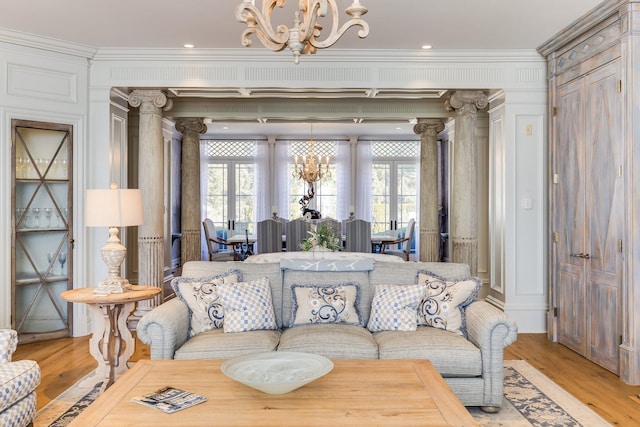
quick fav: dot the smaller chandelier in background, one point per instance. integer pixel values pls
(303, 36)
(310, 170)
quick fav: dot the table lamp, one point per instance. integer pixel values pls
(113, 208)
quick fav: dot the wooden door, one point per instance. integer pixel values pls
(588, 215)
(569, 217)
(604, 214)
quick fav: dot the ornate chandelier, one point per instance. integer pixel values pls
(310, 170)
(303, 36)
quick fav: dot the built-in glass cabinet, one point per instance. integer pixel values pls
(42, 244)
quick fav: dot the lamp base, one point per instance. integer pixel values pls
(112, 285)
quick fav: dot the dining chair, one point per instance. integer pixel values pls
(358, 236)
(332, 224)
(297, 231)
(269, 236)
(405, 243)
(214, 242)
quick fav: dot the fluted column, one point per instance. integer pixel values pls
(190, 188)
(463, 220)
(150, 181)
(428, 129)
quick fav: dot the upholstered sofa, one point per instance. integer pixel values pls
(470, 358)
(18, 382)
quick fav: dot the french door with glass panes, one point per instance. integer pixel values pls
(230, 197)
(394, 195)
(42, 244)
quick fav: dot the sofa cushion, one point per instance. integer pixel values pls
(248, 306)
(331, 341)
(451, 354)
(215, 344)
(443, 306)
(394, 307)
(201, 296)
(326, 304)
(17, 380)
(292, 278)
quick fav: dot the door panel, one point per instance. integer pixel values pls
(604, 214)
(570, 218)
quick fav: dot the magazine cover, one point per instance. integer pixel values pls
(170, 399)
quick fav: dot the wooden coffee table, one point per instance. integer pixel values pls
(356, 393)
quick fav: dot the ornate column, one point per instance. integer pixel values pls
(150, 181)
(428, 129)
(190, 188)
(463, 222)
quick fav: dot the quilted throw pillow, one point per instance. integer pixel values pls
(443, 306)
(201, 296)
(248, 306)
(394, 307)
(326, 304)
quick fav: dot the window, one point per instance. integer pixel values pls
(395, 184)
(230, 183)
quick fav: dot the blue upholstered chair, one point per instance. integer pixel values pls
(405, 243)
(18, 382)
(269, 236)
(297, 230)
(358, 236)
(214, 242)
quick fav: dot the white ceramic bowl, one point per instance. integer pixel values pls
(277, 372)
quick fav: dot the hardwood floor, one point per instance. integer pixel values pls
(64, 361)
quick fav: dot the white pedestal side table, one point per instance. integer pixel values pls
(111, 343)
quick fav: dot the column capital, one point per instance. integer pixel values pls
(429, 127)
(191, 126)
(150, 101)
(467, 101)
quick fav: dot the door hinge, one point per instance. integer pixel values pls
(556, 178)
(619, 171)
(620, 86)
(556, 237)
(555, 311)
(620, 340)
(554, 111)
(620, 246)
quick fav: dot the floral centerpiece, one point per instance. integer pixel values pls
(321, 238)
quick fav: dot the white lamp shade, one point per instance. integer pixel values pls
(116, 207)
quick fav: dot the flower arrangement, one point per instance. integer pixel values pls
(321, 237)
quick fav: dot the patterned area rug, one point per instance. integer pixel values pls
(531, 399)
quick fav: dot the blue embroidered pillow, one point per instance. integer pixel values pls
(201, 296)
(443, 306)
(394, 307)
(248, 306)
(313, 304)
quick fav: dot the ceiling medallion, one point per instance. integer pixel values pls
(303, 36)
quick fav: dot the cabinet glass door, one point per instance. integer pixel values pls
(42, 244)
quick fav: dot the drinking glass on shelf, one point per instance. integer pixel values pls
(27, 168)
(51, 256)
(62, 258)
(47, 213)
(36, 214)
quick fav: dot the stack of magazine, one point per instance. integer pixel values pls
(170, 399)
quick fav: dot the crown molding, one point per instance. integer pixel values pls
(334, 56)
(44, 43)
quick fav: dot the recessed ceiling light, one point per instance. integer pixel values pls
(188, 45)
(426, 46)
(225, 127)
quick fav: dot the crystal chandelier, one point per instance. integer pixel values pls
(310, 170)
(303, 36)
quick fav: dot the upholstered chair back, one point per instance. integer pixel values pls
(358, 235)
(297, 231)
(269, 236)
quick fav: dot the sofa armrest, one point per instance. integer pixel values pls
(491, 330)
(165, 328)
(8, 344)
